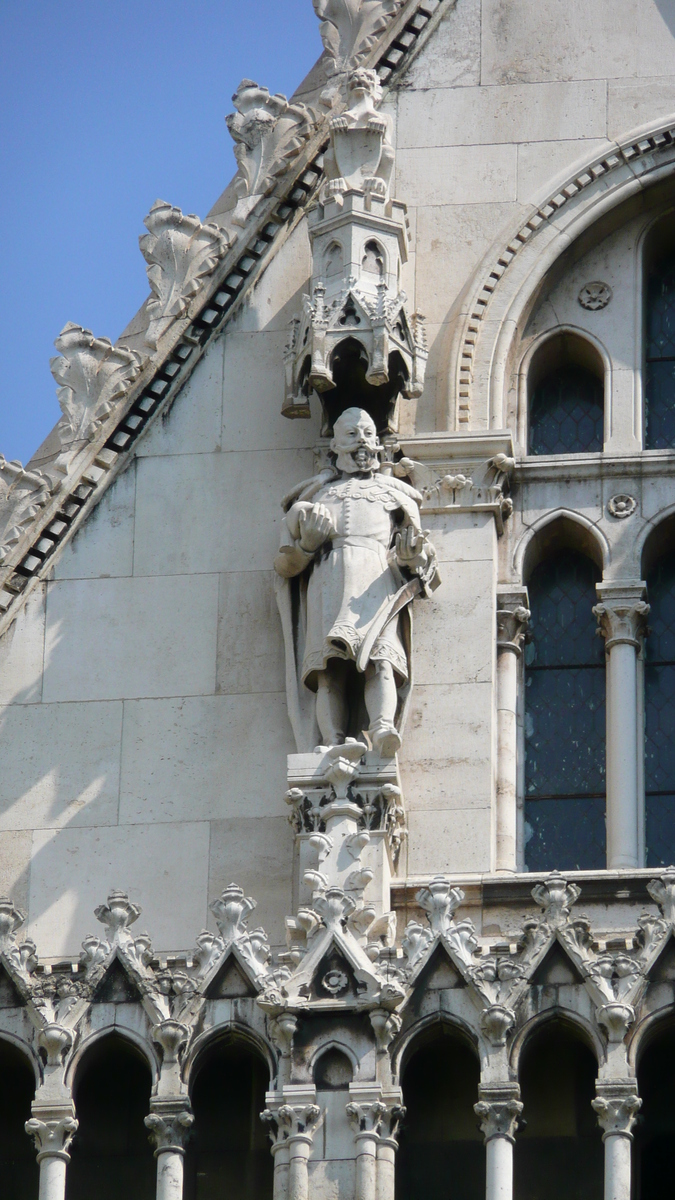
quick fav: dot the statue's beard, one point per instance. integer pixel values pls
(364, 459)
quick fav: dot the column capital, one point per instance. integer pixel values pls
(170, 1123)
(53, 1134)
(617, 1105)
(621, 612)
(513, 617)
(291, 1122)
(499, 1108)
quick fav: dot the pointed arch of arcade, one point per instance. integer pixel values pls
(112, 1077)
(20, 1075)
(487, 318)
(652, 1058)
(558, 1150)
(228, 1074)
(441, 1149)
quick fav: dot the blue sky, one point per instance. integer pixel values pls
(107, 105)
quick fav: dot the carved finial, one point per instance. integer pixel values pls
(231, 910)
(440, 901)
(556, 896)
(349, 28)
(92, 375)
(662, 890)
(117, 914)
(11, 919)
(268, 132)
(181, 253)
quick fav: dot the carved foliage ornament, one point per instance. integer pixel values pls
(181, 253)
(22, 495)
(268, 132)
(349, 28)
(93, 375)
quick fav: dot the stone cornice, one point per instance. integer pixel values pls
(545, 468)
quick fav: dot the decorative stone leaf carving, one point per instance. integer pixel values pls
(181, 253)
(22, 495)
(268, 132)
(93, 375)
(349, 28)
(556, 896)
(52, 1137)
(440, 901)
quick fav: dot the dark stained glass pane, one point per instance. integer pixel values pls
(569, 831)
(566, 413)
(564, 719)
(660, 716)
(660, 376)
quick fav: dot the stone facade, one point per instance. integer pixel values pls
(462, 196)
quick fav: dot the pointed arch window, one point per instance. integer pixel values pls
(564, 717)
(660, 351)
(660, 712)
(566, 397)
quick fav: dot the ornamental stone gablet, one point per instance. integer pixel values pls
(181, 253)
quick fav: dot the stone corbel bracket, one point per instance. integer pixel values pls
(460, 473)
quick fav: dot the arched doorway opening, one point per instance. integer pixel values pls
(111, 1157)
(441, 1151)
(559, 1151)
(229, 1151)
(19, 1171)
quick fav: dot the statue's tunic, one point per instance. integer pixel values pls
(352, 576)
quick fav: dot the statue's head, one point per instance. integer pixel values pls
(355, 442)
(365, 83)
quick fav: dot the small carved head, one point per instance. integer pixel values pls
(355, 442)
(365, 83)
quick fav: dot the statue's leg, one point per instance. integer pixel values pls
(381, 699)
(331, 703)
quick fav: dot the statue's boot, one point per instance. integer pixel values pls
(385, 738)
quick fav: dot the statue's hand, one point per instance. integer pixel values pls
(339, 123)
(377, 122)
(411, 548)
(315, 526)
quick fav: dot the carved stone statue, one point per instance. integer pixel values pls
(353, 559)
(361, 154)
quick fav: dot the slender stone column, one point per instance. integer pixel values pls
(499, 1109)
(617, 1106)
(621, 617)
(302, 1121)
(169, 1124)
(512, 619)
(387, 1147)
(52, 1137)
(365, 1120)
